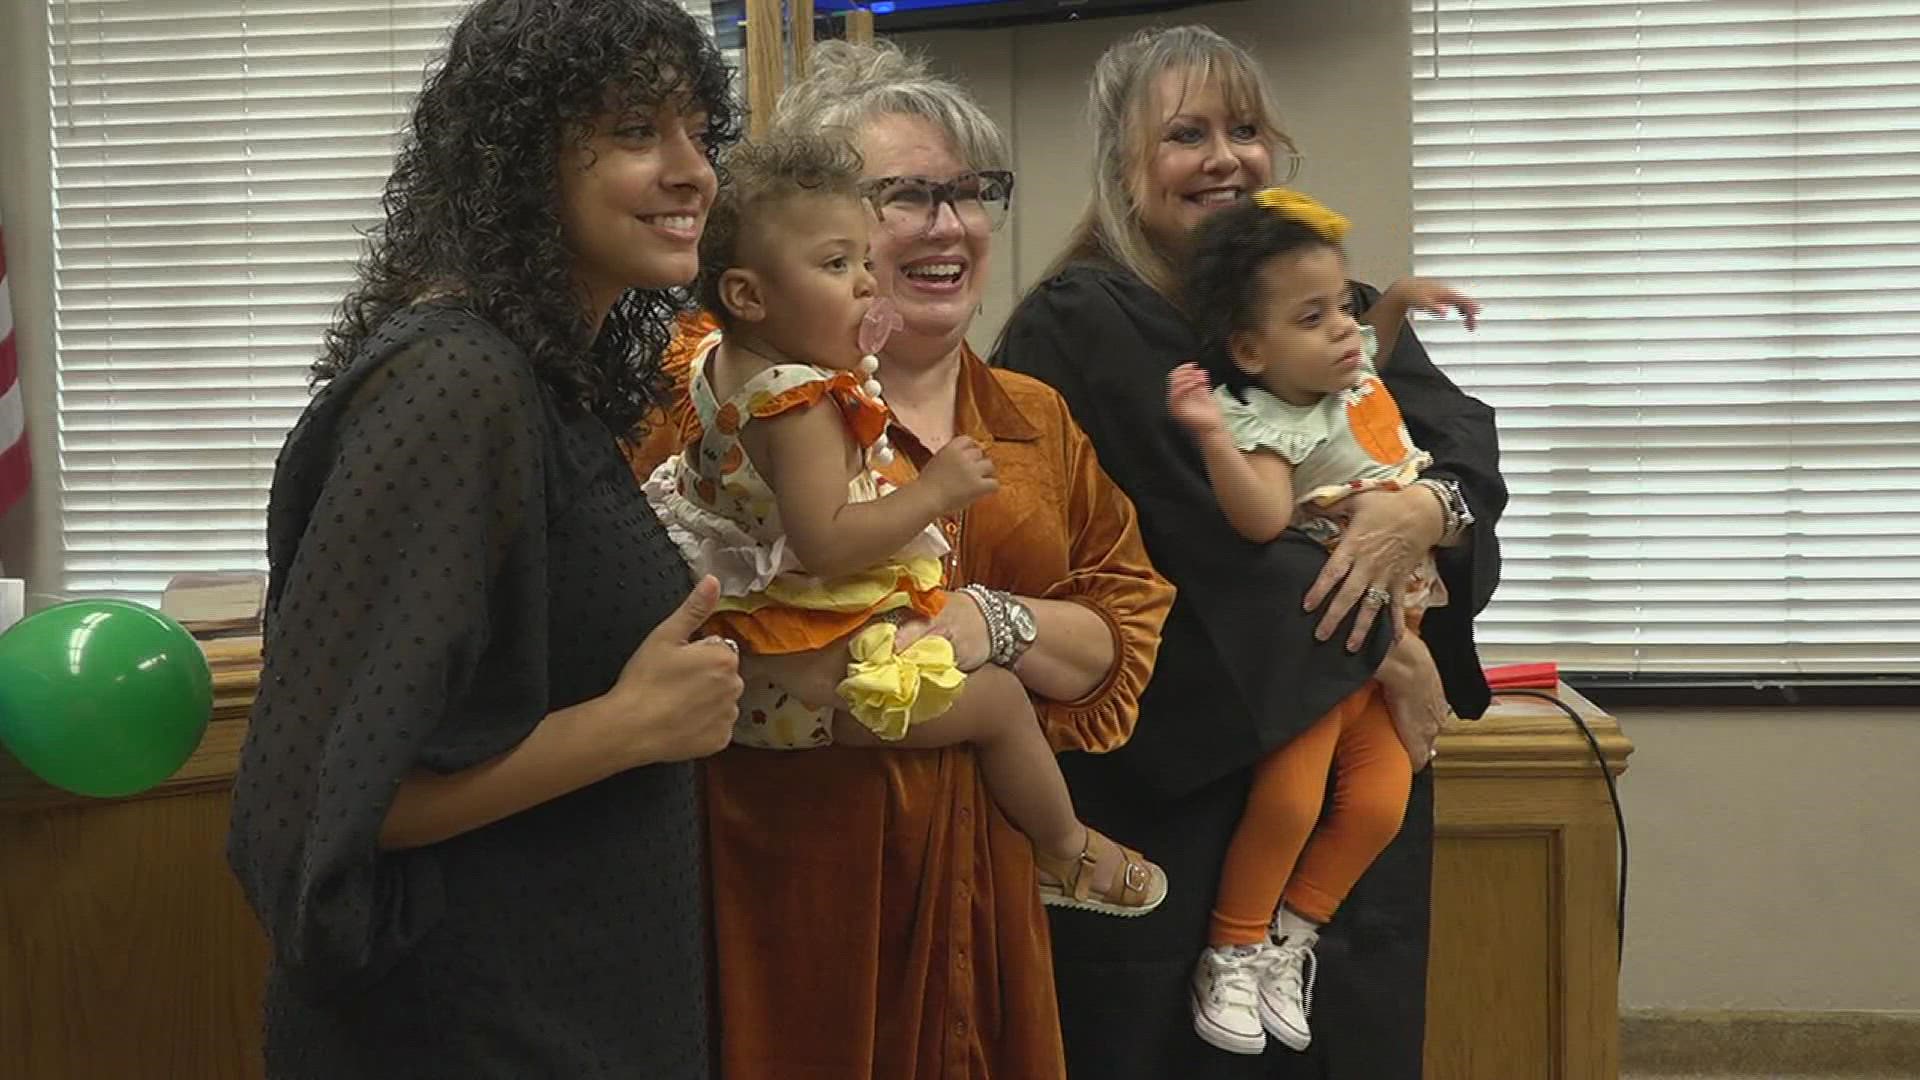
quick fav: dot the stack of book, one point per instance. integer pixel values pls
(217, 605)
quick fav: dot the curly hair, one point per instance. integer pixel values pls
(1223, 295)
(760, 176)
(473, 204)
(849, 85)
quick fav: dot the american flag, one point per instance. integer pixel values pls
(14, 469)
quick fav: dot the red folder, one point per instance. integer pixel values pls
(1543, 676)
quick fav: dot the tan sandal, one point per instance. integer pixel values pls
(1138, 888)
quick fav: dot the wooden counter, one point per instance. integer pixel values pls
(1523, 978)
(127, 952)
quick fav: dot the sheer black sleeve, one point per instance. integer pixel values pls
(407, 545)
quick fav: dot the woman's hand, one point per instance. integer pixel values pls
(960, 622)
(1415, 697)
(676, 699)
(1386, 536)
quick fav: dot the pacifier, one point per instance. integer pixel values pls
(879, 323)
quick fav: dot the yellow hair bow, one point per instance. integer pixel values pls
(1305, 209)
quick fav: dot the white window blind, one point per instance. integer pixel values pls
(214, 164)
(1695, 225)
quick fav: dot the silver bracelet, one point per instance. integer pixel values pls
(1010, 624)
(1455, 517)
(996, 618)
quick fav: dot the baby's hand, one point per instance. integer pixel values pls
(1190, 400)
(1434, 298)
(960, 473)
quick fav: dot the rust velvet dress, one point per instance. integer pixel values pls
(874, 915)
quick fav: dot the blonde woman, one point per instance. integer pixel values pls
(1265, 638)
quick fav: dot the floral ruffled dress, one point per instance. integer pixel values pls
(725, 519)
(1339, 446)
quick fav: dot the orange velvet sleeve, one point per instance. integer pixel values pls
(672, 426)
(1111, 576)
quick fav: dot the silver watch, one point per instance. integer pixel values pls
(1025, 630)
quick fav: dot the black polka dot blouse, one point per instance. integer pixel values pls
(453, 556)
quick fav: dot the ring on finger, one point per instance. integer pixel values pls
(1377, 596)
(728, 642)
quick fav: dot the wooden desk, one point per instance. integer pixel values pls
(1523, 978)
(127, 952)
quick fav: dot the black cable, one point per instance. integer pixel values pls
(1613, 793)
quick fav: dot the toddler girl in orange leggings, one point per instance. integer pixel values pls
(1298, 422)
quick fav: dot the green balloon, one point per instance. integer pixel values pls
(102, 697)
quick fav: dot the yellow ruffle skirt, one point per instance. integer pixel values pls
(890, 691)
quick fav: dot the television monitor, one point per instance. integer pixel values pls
(897, 15)
(889, 16)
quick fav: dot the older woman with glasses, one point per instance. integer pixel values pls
(874, 914)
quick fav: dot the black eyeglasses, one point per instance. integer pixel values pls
(909, 205)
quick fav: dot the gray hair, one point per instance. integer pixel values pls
(1126, 133)
(849, 85)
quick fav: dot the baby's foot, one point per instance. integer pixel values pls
(1105, 878)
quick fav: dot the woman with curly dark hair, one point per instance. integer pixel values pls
(465, 812)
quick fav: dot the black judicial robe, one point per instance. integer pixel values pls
(1239, 673)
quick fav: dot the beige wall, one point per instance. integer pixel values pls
(1773, 859)
(1342, 80)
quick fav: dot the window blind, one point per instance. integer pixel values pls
(1695, 226)
(215, 163)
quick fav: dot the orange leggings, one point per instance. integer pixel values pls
(1277, 854)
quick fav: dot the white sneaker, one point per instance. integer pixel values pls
(1224, 992)
(1286, 989)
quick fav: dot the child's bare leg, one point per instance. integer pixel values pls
(994, 715)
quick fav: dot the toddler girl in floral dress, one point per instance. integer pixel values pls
(779, 493)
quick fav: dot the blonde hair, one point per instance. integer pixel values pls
(848, 85)
(1120, 108)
